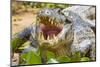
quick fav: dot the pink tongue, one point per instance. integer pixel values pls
(49, 30)
(51, 33)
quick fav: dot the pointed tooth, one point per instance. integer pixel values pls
(39, 36)
(49, 20)
(55, 37)
(57, 25)
(42, 36)
(52, 22)
(48, 37)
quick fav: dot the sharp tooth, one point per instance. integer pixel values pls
(49, 20)
(48, 37)
(52, 22)
(55, 37)
(39, 36)
(42, 36)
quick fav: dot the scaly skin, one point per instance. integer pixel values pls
(87, 13)
(84, 37)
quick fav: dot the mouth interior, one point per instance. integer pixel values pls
(50, 28)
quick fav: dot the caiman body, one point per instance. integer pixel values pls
(60, 33)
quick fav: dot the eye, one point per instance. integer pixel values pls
(47, 12)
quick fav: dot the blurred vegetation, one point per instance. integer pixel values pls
(18, 6)
(32, 57)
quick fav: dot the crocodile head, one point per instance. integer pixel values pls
(53, 24)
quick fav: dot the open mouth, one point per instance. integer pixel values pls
(50, 28)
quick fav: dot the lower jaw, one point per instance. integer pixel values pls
(55, 45)
(60, 48)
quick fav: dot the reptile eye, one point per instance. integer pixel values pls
(47, 12)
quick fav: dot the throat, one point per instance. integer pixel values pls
(50, 31)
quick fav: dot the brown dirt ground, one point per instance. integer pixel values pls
(23, 20)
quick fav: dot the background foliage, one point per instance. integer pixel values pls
(24, 6)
